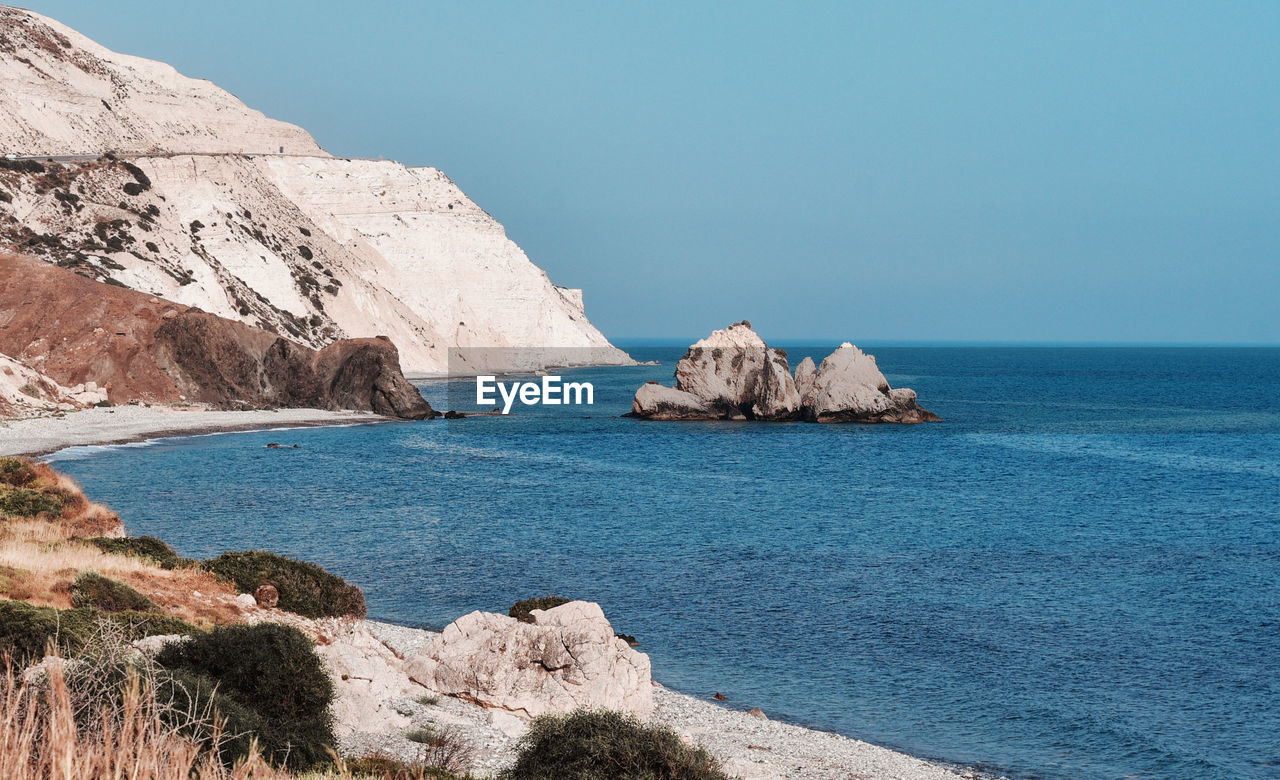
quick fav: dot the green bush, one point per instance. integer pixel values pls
(600, 745)
(272, 670)
(305, 589)
(181, 691)
(521, 609)
(26, 630)
(93, 590)
(25, 502)
(16, 472)
(147, 548)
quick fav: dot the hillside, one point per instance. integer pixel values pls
(173, 187)
(136, 347)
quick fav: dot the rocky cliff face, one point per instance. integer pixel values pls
(25, 392)
(199, 206)
(139, 347)
(733, 375)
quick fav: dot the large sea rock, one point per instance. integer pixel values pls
(849, 387)
(568, 657)
(733, 375)
(730, 375)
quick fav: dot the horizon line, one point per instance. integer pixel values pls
(817, 342)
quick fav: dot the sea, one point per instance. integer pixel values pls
(1076, 574)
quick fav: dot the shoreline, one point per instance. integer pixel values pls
(37, 437)
(751, 748)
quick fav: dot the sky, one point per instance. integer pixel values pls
(889, 171)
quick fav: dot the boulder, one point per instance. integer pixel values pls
(567, 658)
(366, 679)
(266, 596)
(849, 387)
(733, 375)
(730, 375)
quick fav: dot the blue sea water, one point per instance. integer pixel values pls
(1075, 575)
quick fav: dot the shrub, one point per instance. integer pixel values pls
(599, 744)
(144, 182)
(16, 472)
(147, 548)
(93, 590)
(521, 609)
(181, 691)
(26, 630)
(305, 589)
(25, 502)
(272, 670)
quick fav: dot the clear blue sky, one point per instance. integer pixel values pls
(1015, 171)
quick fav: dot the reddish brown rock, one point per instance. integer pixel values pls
(138, 347)
(267, 596)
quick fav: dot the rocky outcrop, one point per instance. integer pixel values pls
(25, 392)
(139, 347)
(849, 387)
(567, 658)
(198, 205)
(226, 364)
(805, 373)
(367, 678)
(733, 375)
(730, 375)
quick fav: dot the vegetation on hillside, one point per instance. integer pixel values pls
(305, 589)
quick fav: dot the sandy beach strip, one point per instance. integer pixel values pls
(122, 424)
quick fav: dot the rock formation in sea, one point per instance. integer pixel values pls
(733, 375)
(78, 332)
(173, 187)
(567, 657)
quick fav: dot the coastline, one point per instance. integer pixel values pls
(751, 747)
(40, 436)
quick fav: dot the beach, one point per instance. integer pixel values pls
(750, 747)
(36, 436)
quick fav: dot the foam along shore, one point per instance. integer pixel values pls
(750, 747)
(37, 436)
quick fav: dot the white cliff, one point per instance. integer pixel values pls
(202, 208)
(64, 94)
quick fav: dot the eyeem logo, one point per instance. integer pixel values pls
(551, 391)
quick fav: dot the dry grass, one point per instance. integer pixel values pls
(40, 739)
(49, 563)
(40, 557)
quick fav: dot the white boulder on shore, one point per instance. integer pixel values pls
(568, 657)
(733, 375)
